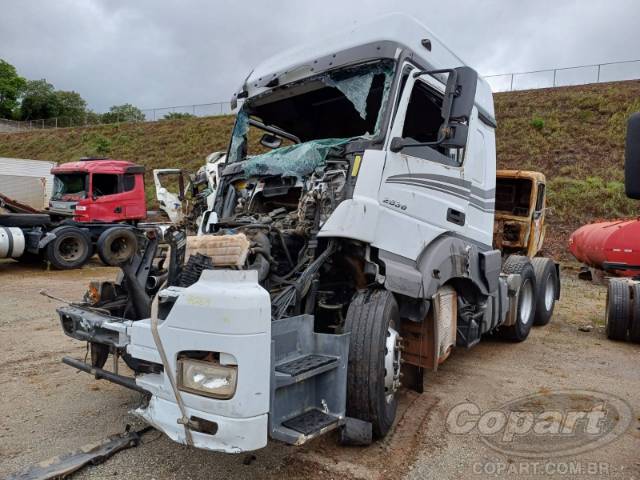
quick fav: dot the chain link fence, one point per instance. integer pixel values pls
(566, 76)
(92, 119)
(506, 82)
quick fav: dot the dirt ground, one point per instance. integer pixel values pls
(49, 409)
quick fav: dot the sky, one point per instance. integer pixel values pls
(160, 53)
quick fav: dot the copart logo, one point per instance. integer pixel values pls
(545, 425)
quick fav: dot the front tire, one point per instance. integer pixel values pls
(521, 265)
(373, 374)
(70, 249)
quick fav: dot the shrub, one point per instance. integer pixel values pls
(537, 123)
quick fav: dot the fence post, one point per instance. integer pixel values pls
(598, 79)
(511, 87)
(56, 122)
(554, 76)
(193, 107)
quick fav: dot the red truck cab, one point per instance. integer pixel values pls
(99, 190)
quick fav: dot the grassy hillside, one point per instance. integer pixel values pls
(575, 135)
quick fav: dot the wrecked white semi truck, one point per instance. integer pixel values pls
(361, 248)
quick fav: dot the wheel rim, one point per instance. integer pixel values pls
(121, 249)
(526, 302)
(391, 364)
(549, 293)
(71, 249)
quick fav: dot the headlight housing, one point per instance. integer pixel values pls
(206, 378)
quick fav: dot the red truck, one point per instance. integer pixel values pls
(89, 197)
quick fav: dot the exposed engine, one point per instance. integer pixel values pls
(280, 217)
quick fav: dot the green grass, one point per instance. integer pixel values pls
(574, 135)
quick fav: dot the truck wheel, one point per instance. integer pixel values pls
(70, 249)
(618, 309)
(526, 298)
(546, 289)
(117, 245)
(634, 328)
(373, 373)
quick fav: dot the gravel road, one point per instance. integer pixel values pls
(49, 409)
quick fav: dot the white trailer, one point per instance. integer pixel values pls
(363, 247)
(27, 181)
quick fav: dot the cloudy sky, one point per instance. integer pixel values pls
(156, 53)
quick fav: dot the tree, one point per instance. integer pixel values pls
(39, 101)
(11, 86)
(123, 113)
(71, 106)
(177, 116)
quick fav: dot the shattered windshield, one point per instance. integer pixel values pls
(69, 186)
(332, 108)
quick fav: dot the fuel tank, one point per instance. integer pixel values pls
(609, 246)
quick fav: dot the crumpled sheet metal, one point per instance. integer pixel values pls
(294, 160)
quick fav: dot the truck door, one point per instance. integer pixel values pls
(426, 183)
(107, 199)
(169, 184)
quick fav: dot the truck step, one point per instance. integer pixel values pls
(311, 422)
(305, 364)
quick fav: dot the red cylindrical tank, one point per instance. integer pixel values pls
(616, 241)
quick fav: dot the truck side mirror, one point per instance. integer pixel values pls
(632, 158)
(459, 98)
(460, 94)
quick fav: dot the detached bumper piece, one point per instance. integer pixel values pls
(94, 454)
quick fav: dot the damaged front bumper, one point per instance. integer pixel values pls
(289, 382)
(225, 313)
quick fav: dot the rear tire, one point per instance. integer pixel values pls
(117, 245)
(521, 265)
(373, 319)
(70, 249)
(546, 289)
(618, 310)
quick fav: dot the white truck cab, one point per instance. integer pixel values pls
(353, 241)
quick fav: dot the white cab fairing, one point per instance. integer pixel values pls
(227, 312)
